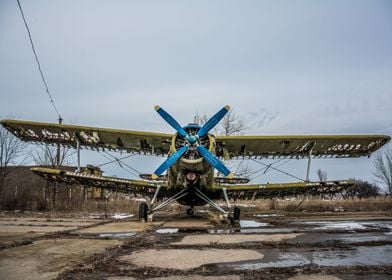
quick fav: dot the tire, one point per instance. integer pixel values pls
(189, 212)
(236, 214)
(143, 211)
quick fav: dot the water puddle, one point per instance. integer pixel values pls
(350, 225)
(366, 238)
(362, 256)
(322, 237)
(268, 230)
(336, 225)
(117, 235)
(252, 224)
(223, 231)
(167, 230)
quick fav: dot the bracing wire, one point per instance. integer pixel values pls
(121, 162)
(268, 168)
(129, 168)
(262, 169)
(276, 169)
(115, 160)
(38, 63)
(129, 171)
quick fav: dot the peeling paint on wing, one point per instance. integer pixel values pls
(91, 139)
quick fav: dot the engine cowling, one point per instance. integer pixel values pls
(192, 159)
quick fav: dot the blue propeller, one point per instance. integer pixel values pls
(193, 141)
(170, 120)
(213, 121)
(215, 162)
(169, 162)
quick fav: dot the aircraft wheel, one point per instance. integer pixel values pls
(236, 214)
(190, 212)
(143, 211)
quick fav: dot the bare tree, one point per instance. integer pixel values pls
(54, 157)
(231, 124)
(200, 119)
(11, 148)
(383, 169)
(322, 175)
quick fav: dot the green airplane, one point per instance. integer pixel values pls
(192, 155)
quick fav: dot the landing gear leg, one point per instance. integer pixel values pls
(190, 211)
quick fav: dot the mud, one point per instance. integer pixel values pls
(264, 246)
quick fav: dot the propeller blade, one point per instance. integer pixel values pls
(170, 120)
(215, 162)
(212, 122)
(169, 162)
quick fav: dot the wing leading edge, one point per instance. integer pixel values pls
(292, 146)
(92, 137)
(299, 146)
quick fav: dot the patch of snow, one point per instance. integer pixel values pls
(266, 215)
(238, 205)
(246, 205)
(122, 215)
(138, 199)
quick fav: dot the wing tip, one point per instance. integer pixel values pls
(227, 107)
(156, 107)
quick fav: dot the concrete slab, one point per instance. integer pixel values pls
(199, 277)
(204, 239)
(123, 226)
(190, 277)
(314, 277)
(45, 259)
(184, 259)
(33, 229)
(188, 223)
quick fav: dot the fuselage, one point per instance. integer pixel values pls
(192, 170)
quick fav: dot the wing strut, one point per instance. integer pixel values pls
(309, 161)
(226, 197)
(78, 152)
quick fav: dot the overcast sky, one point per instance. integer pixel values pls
(288, 67)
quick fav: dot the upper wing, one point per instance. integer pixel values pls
(103, 182)
(286, 189)
(112, 139)
(299, 146)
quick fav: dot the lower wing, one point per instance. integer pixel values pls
(257, 191)
(130, 186)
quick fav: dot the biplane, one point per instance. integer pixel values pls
(188, 176)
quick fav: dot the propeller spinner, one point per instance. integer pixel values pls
(193, 141)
